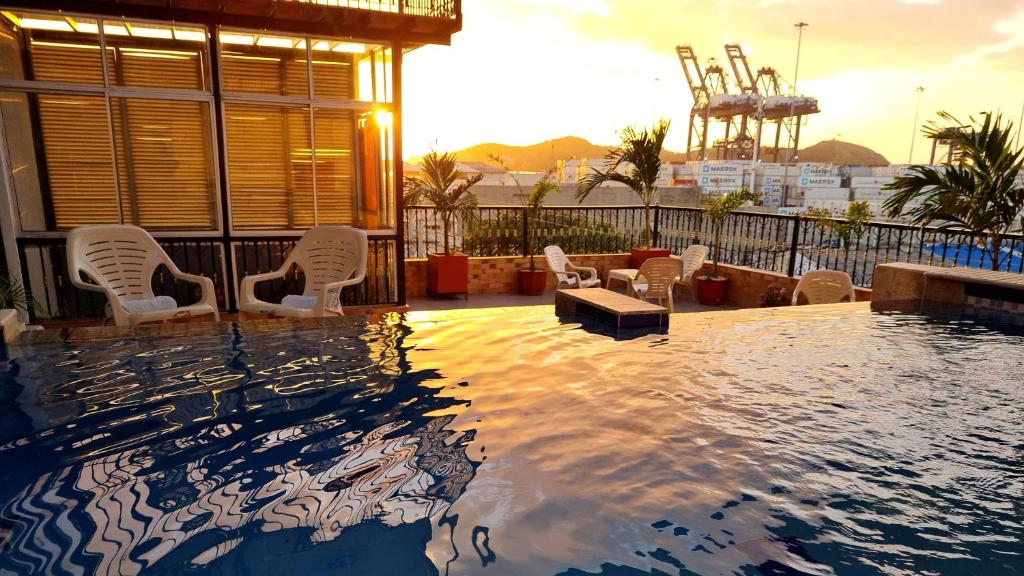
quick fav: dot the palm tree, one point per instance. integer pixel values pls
(639, 156)
(978, 194)
(717, 209)
(438, 186)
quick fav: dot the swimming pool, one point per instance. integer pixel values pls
(813, 440)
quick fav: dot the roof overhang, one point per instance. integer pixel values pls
(287, 16)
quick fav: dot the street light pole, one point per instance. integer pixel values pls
(913, 131)
(792, 104)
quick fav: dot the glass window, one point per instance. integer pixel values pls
(264, 64)
(334, 68)
(157, 56)
(373, 74)
(165, 163)
(60, 49)
(269, 166)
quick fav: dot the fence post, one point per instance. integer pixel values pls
(526, 232)
(656, 234)
(793, 246)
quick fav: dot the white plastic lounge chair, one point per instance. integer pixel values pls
(693, 259)
(331, 257)
(119, 261)
(655, 280)
(825, 287)
(567, 273)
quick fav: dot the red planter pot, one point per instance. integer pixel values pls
(711, 291)
(447, 274)
(531, 282)
(638, 256)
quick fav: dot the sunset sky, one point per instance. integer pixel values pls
(524, 71)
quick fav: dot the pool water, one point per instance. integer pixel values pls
(812, 440)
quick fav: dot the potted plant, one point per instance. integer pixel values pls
(775, 295)
(13, 301)
(978, 194)
(636, 163)
(849, 230)
(448, 189)
(711, 288)
(531, 280)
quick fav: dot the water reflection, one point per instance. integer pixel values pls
(163, 455)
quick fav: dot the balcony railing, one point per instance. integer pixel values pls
(433, 8)
(45, 270)
(788, 245)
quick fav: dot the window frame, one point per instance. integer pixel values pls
(309, 102)
(110, 91)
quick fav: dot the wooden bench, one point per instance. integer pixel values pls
(612, 309)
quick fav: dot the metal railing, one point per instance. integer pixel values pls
(789, 245)
(45, 271)
(448, 9)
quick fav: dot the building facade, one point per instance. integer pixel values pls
(225, 128)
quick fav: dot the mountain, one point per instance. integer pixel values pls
(837, 152)
(540, 157)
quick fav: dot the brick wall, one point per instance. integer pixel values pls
(497, 275)
(746, 285)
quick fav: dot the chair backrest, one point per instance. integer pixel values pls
(557, 262)
(330, 254)
(120, 258)
(825, 287)
(660, 274)
(693, 259)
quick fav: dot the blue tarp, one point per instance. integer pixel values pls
(971, 255)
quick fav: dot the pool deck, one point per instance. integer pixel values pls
(682, 302)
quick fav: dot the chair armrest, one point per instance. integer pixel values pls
(206, 284)
(246, 289)
(591, 272)
(321, 299)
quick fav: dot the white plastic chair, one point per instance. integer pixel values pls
(693, 259)
(567, 273)
(331, 257)
(825, 287)
(119, 261)
(655, 280)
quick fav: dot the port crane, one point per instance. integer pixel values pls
(742, 106)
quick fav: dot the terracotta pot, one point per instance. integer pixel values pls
(711, 291)
(447, 274)
(638, 256)
(531, 282)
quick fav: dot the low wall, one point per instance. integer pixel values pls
(497, 274)
(919, 288)
(747, 285)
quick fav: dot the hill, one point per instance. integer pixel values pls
(539, 157)
(837, 152)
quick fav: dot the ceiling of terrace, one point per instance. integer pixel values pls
(411, 21)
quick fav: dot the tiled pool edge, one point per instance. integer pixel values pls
(918, 288)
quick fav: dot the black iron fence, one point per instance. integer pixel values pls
(789, 245)
(44, 268)
(433, 8)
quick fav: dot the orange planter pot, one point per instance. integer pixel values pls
(531, 282)
(638, 256)
(711, 291)
(447, 274)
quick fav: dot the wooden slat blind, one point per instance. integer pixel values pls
(176, 69)
(285, 75)
(77, 62)
(269, 166)
(165, 163)
(335, 166)
(79, 159)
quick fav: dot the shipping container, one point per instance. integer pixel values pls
(820, 181)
